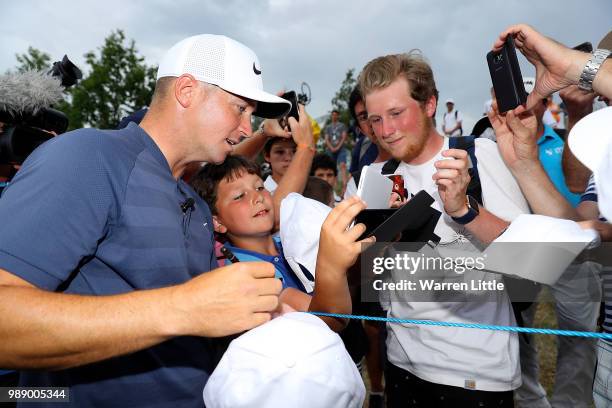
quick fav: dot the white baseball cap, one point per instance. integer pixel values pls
(293, 361)
(450, 100)
(301, 220)
(590, 140)
(537, 247)
(221, 61)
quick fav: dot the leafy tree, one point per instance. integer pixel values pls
(33, 59)
(119, 82)
(341, 98)
(340, 103)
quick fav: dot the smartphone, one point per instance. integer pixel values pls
(506, 77)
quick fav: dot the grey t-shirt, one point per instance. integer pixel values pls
(333, 131)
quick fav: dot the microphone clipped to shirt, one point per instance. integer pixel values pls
(188, 204)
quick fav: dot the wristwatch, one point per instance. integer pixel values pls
(590, 69)
(472, 213)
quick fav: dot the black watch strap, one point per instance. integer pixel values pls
(471, 214)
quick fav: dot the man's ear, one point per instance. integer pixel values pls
(430, 106)
(185, 90)
(220, 228)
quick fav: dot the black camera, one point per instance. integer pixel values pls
(302, 98)
(25, 109)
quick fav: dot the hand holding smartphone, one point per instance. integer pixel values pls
(291, 97)
(506, 77)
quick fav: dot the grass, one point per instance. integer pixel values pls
(547, 345)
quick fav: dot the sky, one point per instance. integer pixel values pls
(310, 40)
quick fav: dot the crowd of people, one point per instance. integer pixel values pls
(155, 265)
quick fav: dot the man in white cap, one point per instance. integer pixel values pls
(103, 247)
(452, 120)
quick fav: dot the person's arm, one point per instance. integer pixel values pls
(459, 122)
(338, 250)
(557, 66)
(250, 147)
(517, 144)
(578, 103)
(296, 176)
(48, 330)
(452, 179)
(342, 139)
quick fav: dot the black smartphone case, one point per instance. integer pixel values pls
(415, 221)
(506, 77)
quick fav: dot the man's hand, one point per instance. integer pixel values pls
(272, 128)
(578, 103)
(226, 300)
(516, 137)
(452, 179)
(604, 229)
(556, 65)
(302, 131)
(338, 245)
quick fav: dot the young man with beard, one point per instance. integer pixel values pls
(444, 366)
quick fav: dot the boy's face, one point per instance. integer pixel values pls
(327, 175)
(400, 123)
(280, 156)
(244, 207)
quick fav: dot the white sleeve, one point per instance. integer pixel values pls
(459, 116)
(351, 189)
(501, 194)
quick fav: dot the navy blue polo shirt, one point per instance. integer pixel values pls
(97, 212)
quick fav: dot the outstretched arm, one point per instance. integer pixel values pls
(557, 66)
(296, 176)
(48, 330)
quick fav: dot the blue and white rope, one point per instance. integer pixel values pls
(556, 332)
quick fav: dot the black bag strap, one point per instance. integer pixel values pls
(467, 143)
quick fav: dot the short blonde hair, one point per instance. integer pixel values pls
(382, 71)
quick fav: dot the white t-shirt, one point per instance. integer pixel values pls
(470, 358)
(450, 121)
(270, 184)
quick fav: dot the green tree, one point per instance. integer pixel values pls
(119, 82)
(341, 98)
(33, 59)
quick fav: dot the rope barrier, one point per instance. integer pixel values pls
(556, 332)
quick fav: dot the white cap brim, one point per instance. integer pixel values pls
(269, 106)
(590, 138)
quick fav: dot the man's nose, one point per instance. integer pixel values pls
(387, 127)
